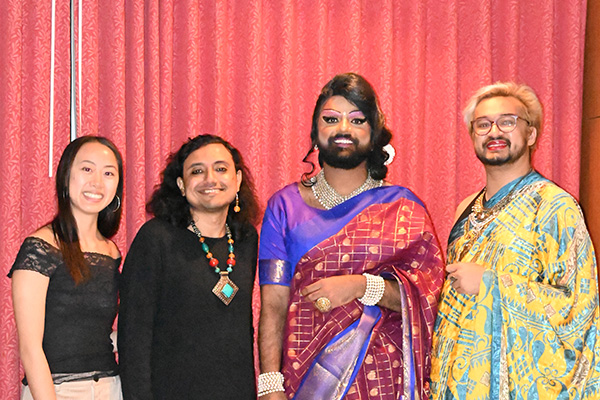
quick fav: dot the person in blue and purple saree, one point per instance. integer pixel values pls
(349, 265)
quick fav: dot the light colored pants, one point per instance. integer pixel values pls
(108, 388)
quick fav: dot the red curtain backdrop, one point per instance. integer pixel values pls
(157, 72)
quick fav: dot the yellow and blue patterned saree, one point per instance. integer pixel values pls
(532, 331)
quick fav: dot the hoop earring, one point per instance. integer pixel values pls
(237, 208)
(118, 204)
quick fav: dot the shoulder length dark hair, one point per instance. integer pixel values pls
(358, 91)
(168, 204)
(64, 225)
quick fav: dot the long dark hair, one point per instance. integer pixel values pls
(359, 92)
(64, 225)
(168, 204)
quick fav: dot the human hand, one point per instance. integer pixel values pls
(340, 290)
(465, 277)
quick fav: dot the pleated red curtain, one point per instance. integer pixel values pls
(26, 191)
(154, 73)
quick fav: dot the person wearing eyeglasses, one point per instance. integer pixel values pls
(518, 315)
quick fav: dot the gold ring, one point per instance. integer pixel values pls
(323, 304)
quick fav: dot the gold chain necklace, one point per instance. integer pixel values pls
(480, 216)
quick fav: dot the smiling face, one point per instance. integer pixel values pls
(210, 181)
(93, 179)
(344, 139)
(499, 148)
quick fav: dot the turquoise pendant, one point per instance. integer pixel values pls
(225, 289)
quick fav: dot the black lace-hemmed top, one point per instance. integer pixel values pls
(79, 318)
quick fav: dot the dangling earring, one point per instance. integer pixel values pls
(118, 203)
(237, 208)
(316, 147)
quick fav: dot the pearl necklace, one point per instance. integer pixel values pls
(329, 198)
(225, 289)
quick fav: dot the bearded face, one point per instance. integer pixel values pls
(497, 148)
(343, 151)
(344, 134)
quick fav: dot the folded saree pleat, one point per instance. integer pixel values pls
(337, 363)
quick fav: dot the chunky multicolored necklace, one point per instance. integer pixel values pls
(225, 289)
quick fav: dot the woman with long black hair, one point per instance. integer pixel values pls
(64, 281)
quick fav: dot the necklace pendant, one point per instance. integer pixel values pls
(225, 289)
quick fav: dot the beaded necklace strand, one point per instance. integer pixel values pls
(225, 289)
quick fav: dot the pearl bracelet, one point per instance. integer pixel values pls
(374, 291)
(270, 382)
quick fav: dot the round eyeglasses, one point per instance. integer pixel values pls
(505, 123)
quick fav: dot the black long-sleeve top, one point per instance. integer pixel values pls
(177, 340)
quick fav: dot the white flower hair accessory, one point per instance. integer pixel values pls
(388, 148)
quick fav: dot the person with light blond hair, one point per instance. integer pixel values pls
(518, 316)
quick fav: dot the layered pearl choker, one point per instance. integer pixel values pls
(329, 198)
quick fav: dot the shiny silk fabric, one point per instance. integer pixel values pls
(384, 231)
(532, 331)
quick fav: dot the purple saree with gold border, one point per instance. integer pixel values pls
(354, 351)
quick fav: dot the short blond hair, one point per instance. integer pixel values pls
(523, 93)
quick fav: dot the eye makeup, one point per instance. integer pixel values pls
(357, 114)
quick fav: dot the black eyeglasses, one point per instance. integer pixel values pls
(506, 123)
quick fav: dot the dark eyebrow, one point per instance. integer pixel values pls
(194, 165)
(200, 164)
(93, 163)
